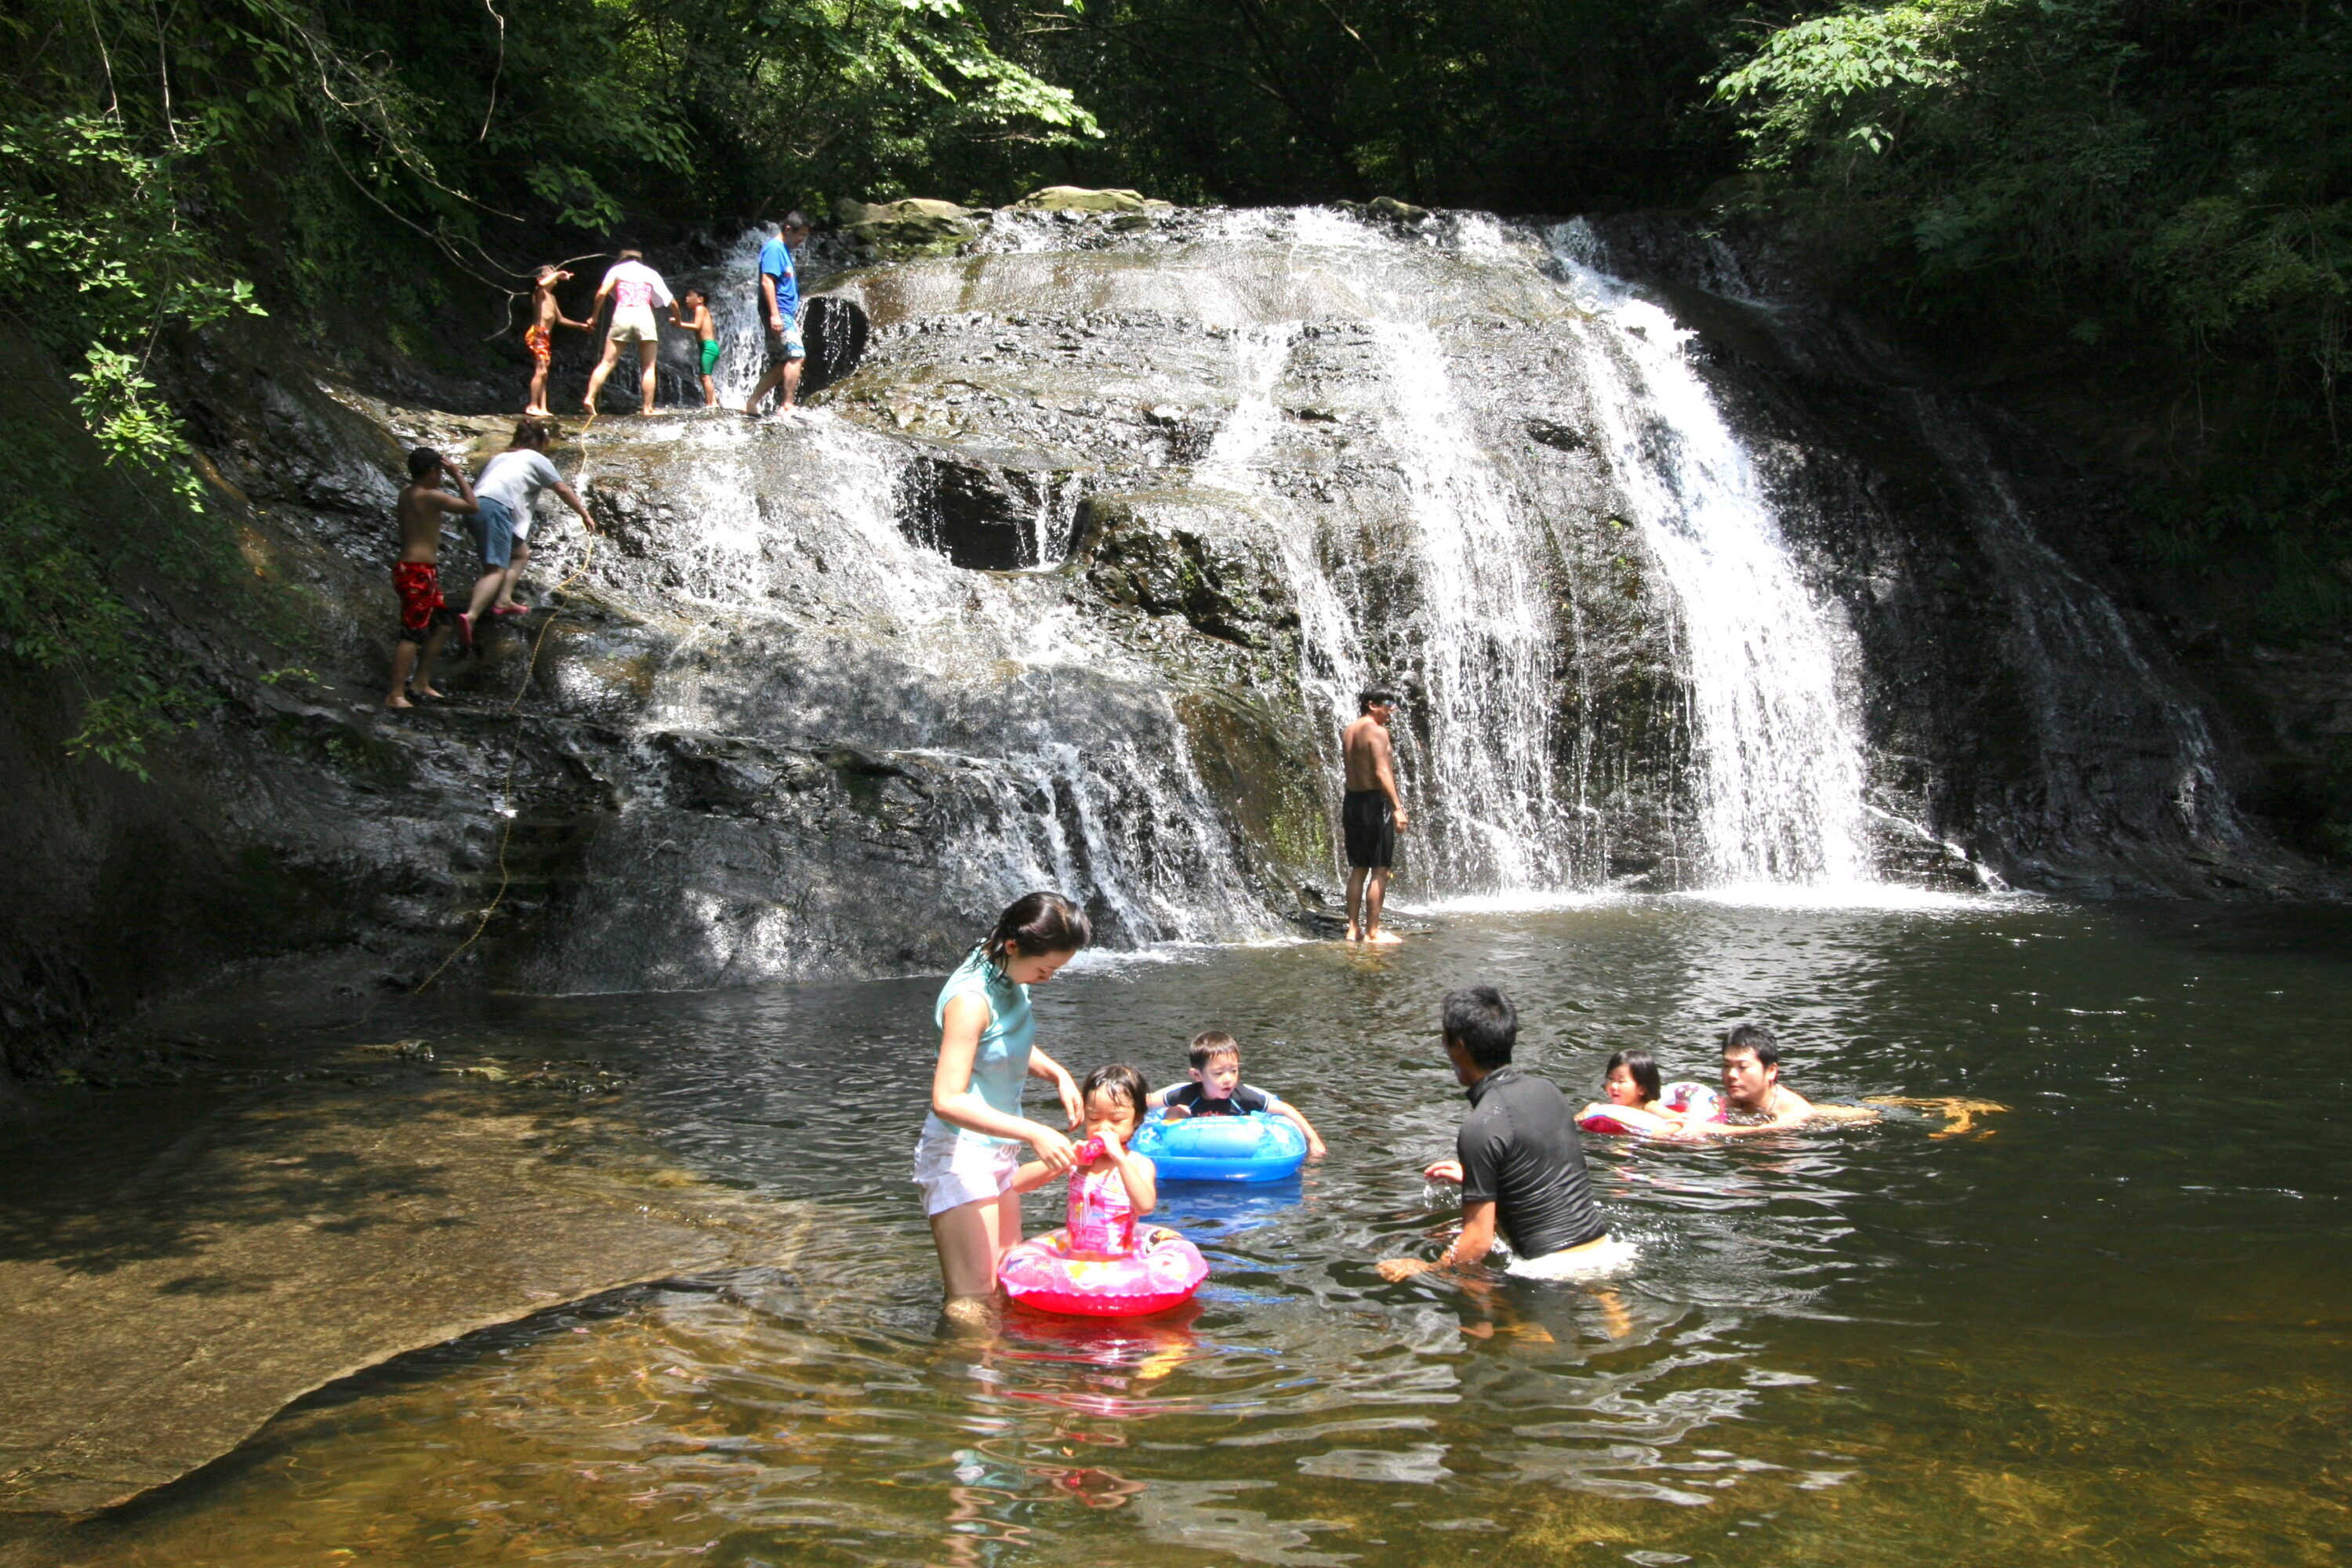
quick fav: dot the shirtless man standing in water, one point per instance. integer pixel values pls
(1371, 816)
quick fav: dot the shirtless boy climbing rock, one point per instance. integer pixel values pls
(425, 617)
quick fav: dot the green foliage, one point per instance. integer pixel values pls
(2168, 182)
(1543, 105)
(375, 165)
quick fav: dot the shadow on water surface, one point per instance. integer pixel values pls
(2103, 1325)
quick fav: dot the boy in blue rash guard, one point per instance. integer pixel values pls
(780, 312)
(1217, 1090)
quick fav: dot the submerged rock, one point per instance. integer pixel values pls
(179, 1277)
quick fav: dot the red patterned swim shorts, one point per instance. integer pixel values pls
(418, 584)
(536, 340)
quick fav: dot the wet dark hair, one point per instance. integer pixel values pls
(1755, 1040)
(795, 219)
(1211, 1044)
(1037, 923)
(1376, 698)
(691, 292)
(424, 462)
(1482, 1021)
(532, 433)
(1119, 1078)
(1645, 1069)
(631, 256)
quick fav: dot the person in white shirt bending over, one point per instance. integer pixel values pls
(510, 482)
(636, 289)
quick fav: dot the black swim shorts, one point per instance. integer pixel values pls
(1368, 826)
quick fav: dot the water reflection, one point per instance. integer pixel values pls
(1839, 1346)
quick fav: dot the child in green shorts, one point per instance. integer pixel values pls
(698, 321)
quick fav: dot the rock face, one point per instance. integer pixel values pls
(912, 226)
(1072, 583)
(1079, 199)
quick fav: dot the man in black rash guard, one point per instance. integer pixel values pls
(1519, 1161)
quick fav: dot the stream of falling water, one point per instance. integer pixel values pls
(1485, 630)
(1469, 628)
(1772, 668)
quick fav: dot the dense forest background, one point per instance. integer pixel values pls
(2132, 216)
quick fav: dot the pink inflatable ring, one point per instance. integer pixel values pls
(1043, 1272)
(1684, 1097)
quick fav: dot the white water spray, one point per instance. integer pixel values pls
(1781, 756)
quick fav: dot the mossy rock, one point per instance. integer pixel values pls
(1079, 199)
(913, 226)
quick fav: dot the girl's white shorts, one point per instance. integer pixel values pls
(953, 1170)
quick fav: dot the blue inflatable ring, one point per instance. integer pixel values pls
(1254, 1147)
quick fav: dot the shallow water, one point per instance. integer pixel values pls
(2107, 1324)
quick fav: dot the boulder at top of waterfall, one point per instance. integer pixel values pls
(1079, 199)
(914, 225)
(1389, 209)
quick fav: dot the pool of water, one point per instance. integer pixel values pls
(2105, 1324)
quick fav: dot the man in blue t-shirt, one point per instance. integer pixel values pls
(780, 303)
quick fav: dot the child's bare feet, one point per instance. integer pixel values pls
(398, 701)
(427, 692)
(1382, 939)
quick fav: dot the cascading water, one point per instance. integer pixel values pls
(1079, 777)
(1475, 642)
(1484, 631)
(1772, 668)
(1314, 456)
(1331, 663)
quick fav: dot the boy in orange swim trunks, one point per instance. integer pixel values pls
(425, 618)
(546, 315)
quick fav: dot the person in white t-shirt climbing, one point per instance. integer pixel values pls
(636, 289)
(509, 483)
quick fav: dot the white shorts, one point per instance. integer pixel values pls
(1591, 1261)
(954, 1171)
(634, 323)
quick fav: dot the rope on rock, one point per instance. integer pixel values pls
(514, 711)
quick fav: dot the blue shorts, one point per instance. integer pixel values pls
(493, 528)
(785, 347)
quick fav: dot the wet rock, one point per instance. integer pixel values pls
(1039, 557)
(982, 516)
(1079, 199)
(1173, 553)
(1388, 209)
(912, 226)
(177, 1281)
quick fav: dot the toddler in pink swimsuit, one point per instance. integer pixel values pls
(1111, 1188)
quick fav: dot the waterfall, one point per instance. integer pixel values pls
(1478, 635)
(1331, 665)
(2093, 697)
(1484, 632)
(1781, 756)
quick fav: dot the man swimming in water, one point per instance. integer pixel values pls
(1754, 1098)
(1370, 815)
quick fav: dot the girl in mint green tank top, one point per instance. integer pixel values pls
(968, 1152)
(1001, 1061)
